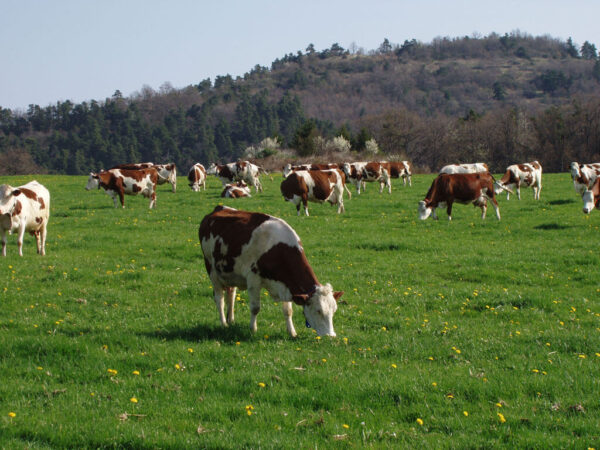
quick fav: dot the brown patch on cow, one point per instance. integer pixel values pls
(28, 193)
(524, 168)
(373, 169)
(289, 266)
(18, 208)
(234, 227)
(39, 220)
(536, 165)
(294, 184)
(133, 166)
(225, 172)
(461, 187)
(395, 169)
(135, 188)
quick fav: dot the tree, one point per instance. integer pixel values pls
(385, 47)
(305, 138)
(588, 51)
(571, 49)
(499, 91)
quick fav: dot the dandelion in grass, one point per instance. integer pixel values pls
(346, 426)
(133, 400)
(261, 385)
(190, 350)
(12, 414)
(583, 356)
(434, 384)
(249, 409)
(466, 413)
(499, 405)
(420, 421)
(501, 418)
(324, 360)
(112, 371)
(394, 366)
(136, 372)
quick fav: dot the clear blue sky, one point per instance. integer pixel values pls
(78, 50)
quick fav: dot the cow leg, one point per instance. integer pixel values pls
(153, 199)
(305, 203)
(519, 191)
(254, 297)
(122, 199)
(286, 307)
(218, 296)
(449, 210)
(3, 242)
(43, 239)
(495, 205)
(348, 191)
(230, 300)
(36, 234)
(410, 180)
(20, 239)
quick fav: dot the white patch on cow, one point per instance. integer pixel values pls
(464, 168)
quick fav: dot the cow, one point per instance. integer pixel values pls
(251, 250)
(238, 171)
(591, 197)
(319, 186)
(167, 173)
(376, 171)
(397, 169)
(584, 176)
(517, 175)
(475, 188)
(25, 208)
(236, 190)
(288, 168)
(465, 168)
(197, 177)
(354, 173)
(117, 182)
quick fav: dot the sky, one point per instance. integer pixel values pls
(79, 50)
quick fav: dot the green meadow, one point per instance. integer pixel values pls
(463, 334)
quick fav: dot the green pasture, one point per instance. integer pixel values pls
(464, 334)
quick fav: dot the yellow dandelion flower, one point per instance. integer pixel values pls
(135, 372)
(465, 413)
(346, 426)
(420, 421)
(501, 418)
(582, 356)
(12, 414)
(262, 385)
(190, 350)
(499, 405)
(177, 366)
(434, 384)
(133, 400)
(324, 360)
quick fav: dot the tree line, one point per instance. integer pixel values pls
(429, 103)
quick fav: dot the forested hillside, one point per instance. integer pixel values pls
(499, 99)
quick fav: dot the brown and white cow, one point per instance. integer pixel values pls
(398, 169)
(197, 177)
(238, 171)
(236, 190)
(376, 171)
(475, 188)
(465, 168)
(250, 250)
(354, 173)
(319, 186)
(584, 176)
(167, 173)
(289, 168)
(118, 182)
(591, 197)
(517, 175)
(25, 208)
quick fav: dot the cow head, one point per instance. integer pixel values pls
(319, 309)
(93, 182)
(589, 202)
(8, 202)
(212, 169)
(425, 209)
(287, 169)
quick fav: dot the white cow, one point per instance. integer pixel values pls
(517, 175)
(584, 176)
(25, 208)
(197, 177)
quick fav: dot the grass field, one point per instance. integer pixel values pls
(464, 334)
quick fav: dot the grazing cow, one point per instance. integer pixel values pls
(237, 190)
(197, 177)
(117, 182)
(238, 171)
(591, 197)
(475, 188)
(167, 173)
(465, 168)
(397, 169)
(584, 176)
(354, 173)
(319, 186)
(25, 208)
(517, 175)
(250, 250)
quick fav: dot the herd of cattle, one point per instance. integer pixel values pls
(252, 251)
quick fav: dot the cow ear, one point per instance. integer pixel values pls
(16, 192)
(337, 295)
(300, 299)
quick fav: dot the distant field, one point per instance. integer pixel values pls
(464, 334)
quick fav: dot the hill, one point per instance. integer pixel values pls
(497, 98)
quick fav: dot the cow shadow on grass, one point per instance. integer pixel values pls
(551, 226)
(561, 202)
(203, 332)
